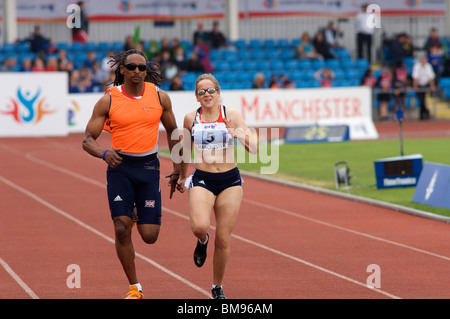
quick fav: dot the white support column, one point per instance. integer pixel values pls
(9, 21)
(232, 19)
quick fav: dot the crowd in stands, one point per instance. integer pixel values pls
(92, 73)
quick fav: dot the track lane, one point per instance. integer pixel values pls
(302, 239)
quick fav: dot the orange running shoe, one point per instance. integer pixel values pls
(134, 293)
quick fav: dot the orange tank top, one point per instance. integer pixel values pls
(134, 122)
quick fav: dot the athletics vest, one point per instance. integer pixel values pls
(134, 122)
(211, 136)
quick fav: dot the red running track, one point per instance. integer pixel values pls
(288, 243)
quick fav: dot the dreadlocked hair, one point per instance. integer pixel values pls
(118, 58)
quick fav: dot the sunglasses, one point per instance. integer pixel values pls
(132, 66)
(203, 92)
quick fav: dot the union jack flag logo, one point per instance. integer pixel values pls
(150, 203)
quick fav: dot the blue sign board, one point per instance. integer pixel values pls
(317, 133)
(433, 187)
(400, 171)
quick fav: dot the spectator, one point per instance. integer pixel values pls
(99, 76)
(38, 65)
(432, 41)
(423, 81)
(73, 81)
(62, 57)
(128, 44)
(216, 38)
(325, 76)
(10, 65)
(180, 60)
(436, 59)
(363, 34)
(259, 82)
(369, 78)
(398, 50)
(52, 64)
(408, 46)
(400, 84)
(286, 82)
(331, 34)
(305, 49)
(203, 53)
(38, 42)
(273, 82)
(153, 49)
(90, 59)
(164, 47)
(322, 47)
(200, 33)
(174, 46)
(26, 65)
(81, 34)
(194, 64)
(176, 84)
(384, 85)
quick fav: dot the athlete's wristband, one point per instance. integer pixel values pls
(103, 157)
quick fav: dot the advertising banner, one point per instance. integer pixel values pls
(37, 10)
(34, 104)
(268, 108)
(433, 187)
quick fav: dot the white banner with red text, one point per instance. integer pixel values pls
(267, 108)
(50, 10)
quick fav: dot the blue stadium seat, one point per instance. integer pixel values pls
(255, 44)
(283, 43)
(304, 64)
(362, 64)
(221, 65)
(262, 65)
(332, 63)
(229, 56)
(269, 44)
(317, 64)
(276, 64)
(347, 63)
(250, 65)
(22, 47)
(76, 46)
(271, 54)
(351, 74)
(243, 54)
(237, 65)
(240, 44)
(90, 46)
(444, 83)
(286, 53)
(215, 55)
(257, 54)
(339, 74)
(291, 64)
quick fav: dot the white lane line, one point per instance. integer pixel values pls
(288, 212)
(18, 279)
(63, 170)
(93, 230)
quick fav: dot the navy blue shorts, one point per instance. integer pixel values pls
(136, 181)
(215, 182)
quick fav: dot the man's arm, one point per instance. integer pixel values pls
(94, 129)
(173, 137)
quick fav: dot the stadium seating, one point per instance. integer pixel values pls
(237, 65)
